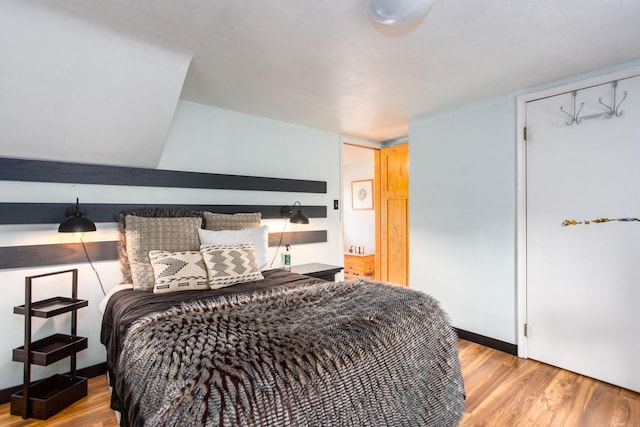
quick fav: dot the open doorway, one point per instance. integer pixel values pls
(359, 183)
(375, 194)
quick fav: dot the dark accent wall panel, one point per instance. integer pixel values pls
(78, 173)
(72, 253)
(298, 237)
(53, 213)
(56, 254)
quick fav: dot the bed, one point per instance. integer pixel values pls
(281, 349)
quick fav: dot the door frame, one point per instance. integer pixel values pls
(375, 147)
(521, 185)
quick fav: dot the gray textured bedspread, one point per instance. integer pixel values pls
(325, 354)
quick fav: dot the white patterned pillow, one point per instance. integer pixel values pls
(230, 264)
(178, 271)
(259, 236)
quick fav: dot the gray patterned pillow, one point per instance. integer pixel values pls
(178, 271)
(147, 234)
(230, 264)
(148, 213)
(239, 221)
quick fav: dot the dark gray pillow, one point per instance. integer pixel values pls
(239, 221)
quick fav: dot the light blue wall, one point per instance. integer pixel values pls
(209, 139)
(463, 173)
(201, 138)
(463, 213)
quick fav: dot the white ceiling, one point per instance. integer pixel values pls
(325, 64)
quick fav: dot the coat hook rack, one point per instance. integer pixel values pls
(614, 110)
(575, 116)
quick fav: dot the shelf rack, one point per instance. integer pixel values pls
(44, 398)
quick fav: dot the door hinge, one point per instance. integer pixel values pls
(526, 329)
(524, 133)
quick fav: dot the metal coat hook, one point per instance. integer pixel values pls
(614, 109)
(574, 118)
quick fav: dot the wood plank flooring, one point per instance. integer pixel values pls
(502, 390)
(91, 411)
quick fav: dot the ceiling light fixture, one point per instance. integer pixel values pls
(397, 12)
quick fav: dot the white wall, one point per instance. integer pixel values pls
(91, 94)
(201, 138)
(463, 210)
(463, 214)
(359, 226)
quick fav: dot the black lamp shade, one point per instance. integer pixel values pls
(295, 217)
(298, 217)
(76, 223)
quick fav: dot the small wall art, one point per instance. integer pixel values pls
(362, 194)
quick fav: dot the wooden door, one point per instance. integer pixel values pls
(394, 215)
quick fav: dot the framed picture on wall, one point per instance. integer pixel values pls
(362, 194)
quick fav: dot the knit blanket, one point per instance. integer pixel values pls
(328, 354)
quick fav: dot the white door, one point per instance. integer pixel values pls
(583, 281)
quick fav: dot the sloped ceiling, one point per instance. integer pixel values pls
(75, 92)
(108, 70)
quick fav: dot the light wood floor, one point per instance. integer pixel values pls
(502, 390)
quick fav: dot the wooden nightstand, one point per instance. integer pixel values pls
(359, 266)
(317, 270)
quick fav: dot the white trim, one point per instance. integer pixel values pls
(521, 185)
(360, 142)
(521, 227)
(581, 84)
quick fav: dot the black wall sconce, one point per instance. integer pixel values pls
(76, 221)
(295, 217)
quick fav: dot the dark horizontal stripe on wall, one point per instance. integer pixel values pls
(54, 213)
(56, 254)
(78, 173)
(487, 341)
(298, 237)
(72, 253)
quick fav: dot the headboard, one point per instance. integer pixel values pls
(61, 172)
